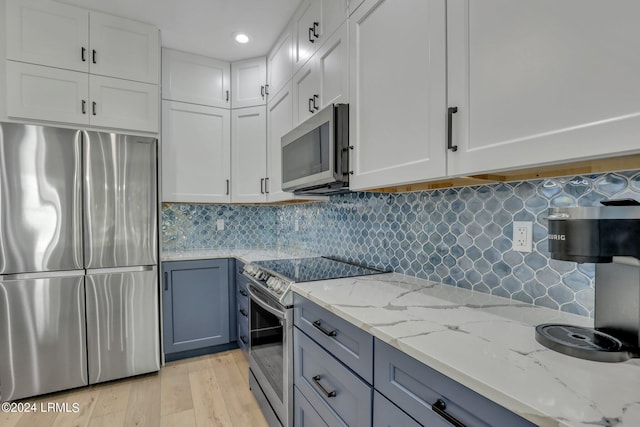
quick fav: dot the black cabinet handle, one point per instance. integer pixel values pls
(266, 185)
(262, 89)
(227, 193)
(84, 54)
(244, 339)
(315, 29)
(93, 108)
(266, 89)
(243, 293)
(315, 98)
(227, 96)
(84, 107)
(450, 112)
(166, 281)
(318, 326)
(316, 380)
(311, 110)
(244, 312)
(440, 408)
(93, 56)
(311, 35)
(261, 185)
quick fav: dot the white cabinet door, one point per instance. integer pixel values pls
(196, 153)
(542, 81)
(333, 68)
(248, 78)
(248, 155)
(334, 14)
(280, 62)
(47, 33)
(44, 93)
(117, 103)
(306, 91)
(196, 79)
(279, 122)
(124, 48)
(306, 24)
(397, 92)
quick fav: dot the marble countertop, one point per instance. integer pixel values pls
(487, 344)
(244, 255)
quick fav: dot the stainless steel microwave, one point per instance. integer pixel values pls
(315, 155)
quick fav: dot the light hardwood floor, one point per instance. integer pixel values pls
(205, 391)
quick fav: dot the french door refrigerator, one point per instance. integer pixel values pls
(78, 255)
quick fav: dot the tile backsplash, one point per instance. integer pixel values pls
(459, 236)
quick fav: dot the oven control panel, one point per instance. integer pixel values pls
(275, 284)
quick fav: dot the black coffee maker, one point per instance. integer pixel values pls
(609, 236)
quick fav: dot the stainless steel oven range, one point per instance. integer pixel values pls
(271, 326)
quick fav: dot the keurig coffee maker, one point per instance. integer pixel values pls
(609, 236)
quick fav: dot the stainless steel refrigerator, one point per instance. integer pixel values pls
(78, 255)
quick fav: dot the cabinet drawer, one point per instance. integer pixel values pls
(243, 311)
(386, 414)
(350, 344)
(415, 387)
(243, 334)
(304, 415)
(332, 389)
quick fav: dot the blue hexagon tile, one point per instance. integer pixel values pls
(459, 236)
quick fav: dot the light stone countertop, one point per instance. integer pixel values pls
(487, 343)
(244, 255)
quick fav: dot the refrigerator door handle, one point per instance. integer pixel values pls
(41, 275)
(91, 271)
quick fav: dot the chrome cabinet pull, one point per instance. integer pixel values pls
(93, 56)
(450, 112)
(440, 408)
(318, 325)
(316, 381)
(84, 54)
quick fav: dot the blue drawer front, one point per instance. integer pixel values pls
(314, 369)
(350, 344)
(414, 387)
(243, 334)
(386, 414)
(304, 414)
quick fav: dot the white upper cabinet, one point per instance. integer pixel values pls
(324, 79)
(124, 48)
(62, 36)
(313, 23)
(48, 33)
(196, 153)
(249, 79)
(195, 79)
(397, 92)
(248, 155)
(280, 62)
(537, 82)
(279, 122)
(118, 103)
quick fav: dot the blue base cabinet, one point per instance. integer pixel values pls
(195, 306)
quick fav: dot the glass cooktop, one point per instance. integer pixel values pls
(317, 268)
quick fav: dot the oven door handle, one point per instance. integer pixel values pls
(256, 298)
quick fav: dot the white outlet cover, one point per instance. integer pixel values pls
(522, 236)
(220, 224)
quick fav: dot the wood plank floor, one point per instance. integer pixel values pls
(205, 391)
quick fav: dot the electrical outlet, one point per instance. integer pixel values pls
(522, 236)
(220, 224)
(296, 225)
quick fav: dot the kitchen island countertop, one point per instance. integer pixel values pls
(487, 343)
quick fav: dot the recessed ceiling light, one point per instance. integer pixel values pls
(241, 38)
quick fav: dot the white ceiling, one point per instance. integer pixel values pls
(206, 26)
